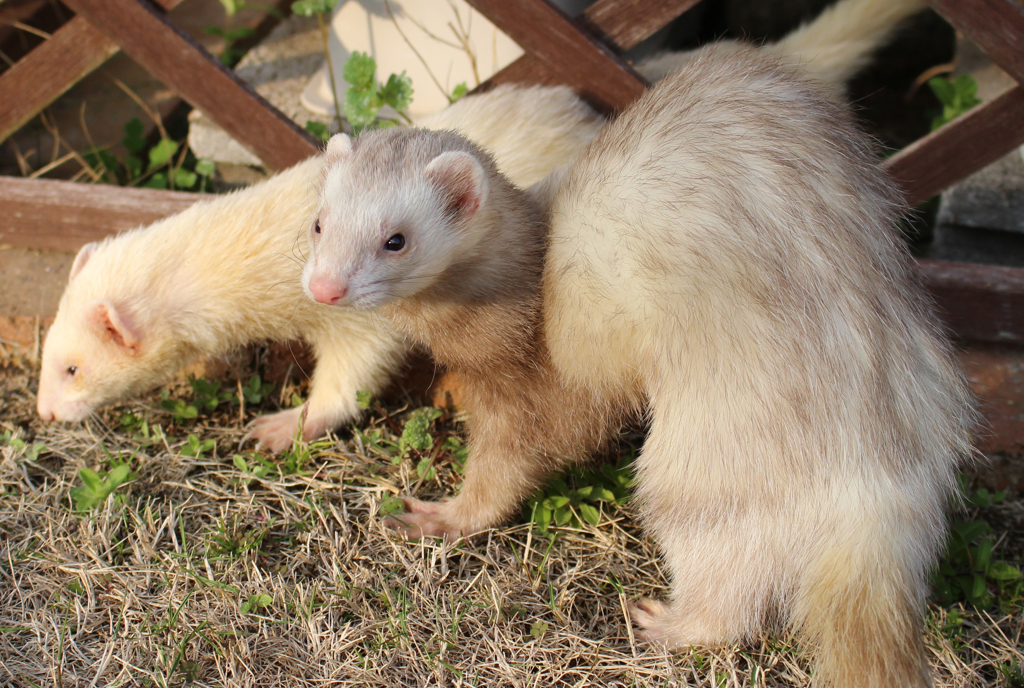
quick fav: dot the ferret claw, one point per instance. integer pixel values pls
(423, 519)
(650, 615)
(276, 431)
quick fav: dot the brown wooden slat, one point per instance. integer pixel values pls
(63, 216)
(52, 68)
(961, 147)
(977, 302)
(995, 25)
(626, 23)
(581, 61)
(42, 76)
(184, 65)
(622, 23)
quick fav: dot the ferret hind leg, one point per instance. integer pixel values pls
(717, 548)
(352, 356)
(722, 590)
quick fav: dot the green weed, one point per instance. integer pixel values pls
(319, 8)
(1012, 673)
(196, 447)
(956, 95)
(320, 131)
(257, 470)
(95, 488)
(29, 452)
(538, 629)
(255, 603)
(391, 505)
(180, 410)
(206, 394)
(256, 390)
(366, 96)
(364, 399)
(968, 572)
(167, 164)
(138, 428)
(578, 496)
(231, 540)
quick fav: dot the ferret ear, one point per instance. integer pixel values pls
(82, 258)
(339, 147)
(460, 178)
(115, 325)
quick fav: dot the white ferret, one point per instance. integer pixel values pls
(141, 305)
(725, 254)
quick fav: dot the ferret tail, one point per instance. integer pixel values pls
(830, 48)
(841, 40)
(860, 620)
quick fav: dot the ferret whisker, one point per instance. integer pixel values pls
(300, 261)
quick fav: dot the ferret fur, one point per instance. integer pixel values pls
(724, 254)
(224, 273)
(530, 131)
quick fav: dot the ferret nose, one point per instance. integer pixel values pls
(327, 289)
(45, 413)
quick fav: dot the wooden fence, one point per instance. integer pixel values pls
(979, 302)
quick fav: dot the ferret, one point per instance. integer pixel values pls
(725, 256)
(225, 273)
(139, 306)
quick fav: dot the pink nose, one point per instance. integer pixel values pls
(327, 289)
(45, 413)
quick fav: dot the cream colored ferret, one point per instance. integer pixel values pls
(725, 255)
(223, 273)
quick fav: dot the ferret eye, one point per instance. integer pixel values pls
(395, 243)
(316, 227)
(72, 370)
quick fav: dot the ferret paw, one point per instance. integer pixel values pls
(653, 618)
(424, 519)
(277, 431)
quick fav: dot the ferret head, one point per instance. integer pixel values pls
(396, 212)
(102, 345)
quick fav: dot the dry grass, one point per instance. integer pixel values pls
(148, 588)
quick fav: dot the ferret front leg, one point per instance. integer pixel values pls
(348, 361)
(506, 465)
